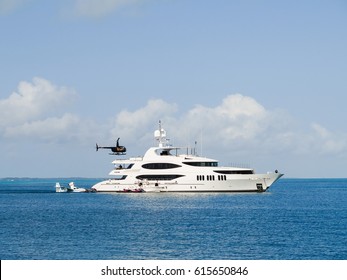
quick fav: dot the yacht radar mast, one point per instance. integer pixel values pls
(160, 136)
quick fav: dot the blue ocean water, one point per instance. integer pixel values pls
(296, 219)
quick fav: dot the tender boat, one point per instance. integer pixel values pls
(70, 188)
(59, 188)
(164, 169)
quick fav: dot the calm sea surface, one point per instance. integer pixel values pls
(295, 219)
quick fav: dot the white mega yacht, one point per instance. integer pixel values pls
(164, 169)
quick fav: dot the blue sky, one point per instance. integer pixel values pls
(257, 82)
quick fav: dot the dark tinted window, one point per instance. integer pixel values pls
(202, 163)
(235, 171)
(159, 177)
(160, 165)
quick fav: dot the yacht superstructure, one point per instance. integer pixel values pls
(164, 169)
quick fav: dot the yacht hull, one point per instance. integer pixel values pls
(241, 183)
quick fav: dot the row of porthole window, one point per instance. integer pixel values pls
(211, 177)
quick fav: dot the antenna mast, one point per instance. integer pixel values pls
(160, 136)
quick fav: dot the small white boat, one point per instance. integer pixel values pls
(59, 188)
(70, 188)
(73, 188)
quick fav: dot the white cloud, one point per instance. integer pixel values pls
(99, 8)
(135, 124)
(327, 142)
(47, 129)
(37, 110)
(239, 123)
(237, 117)
(32, 101)
(238, 120)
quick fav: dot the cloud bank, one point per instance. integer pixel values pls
(238, 126)
(239, 123)
(37, 110)
(32, 101)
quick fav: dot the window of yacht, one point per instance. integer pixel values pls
(202, 163)
(124, 166)
(200, 177)
(235, 171)
(159, 177)
(222, 177)
(165, 151)
(160, 165)
(120, 177)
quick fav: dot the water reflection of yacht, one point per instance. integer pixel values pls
(165, 169)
